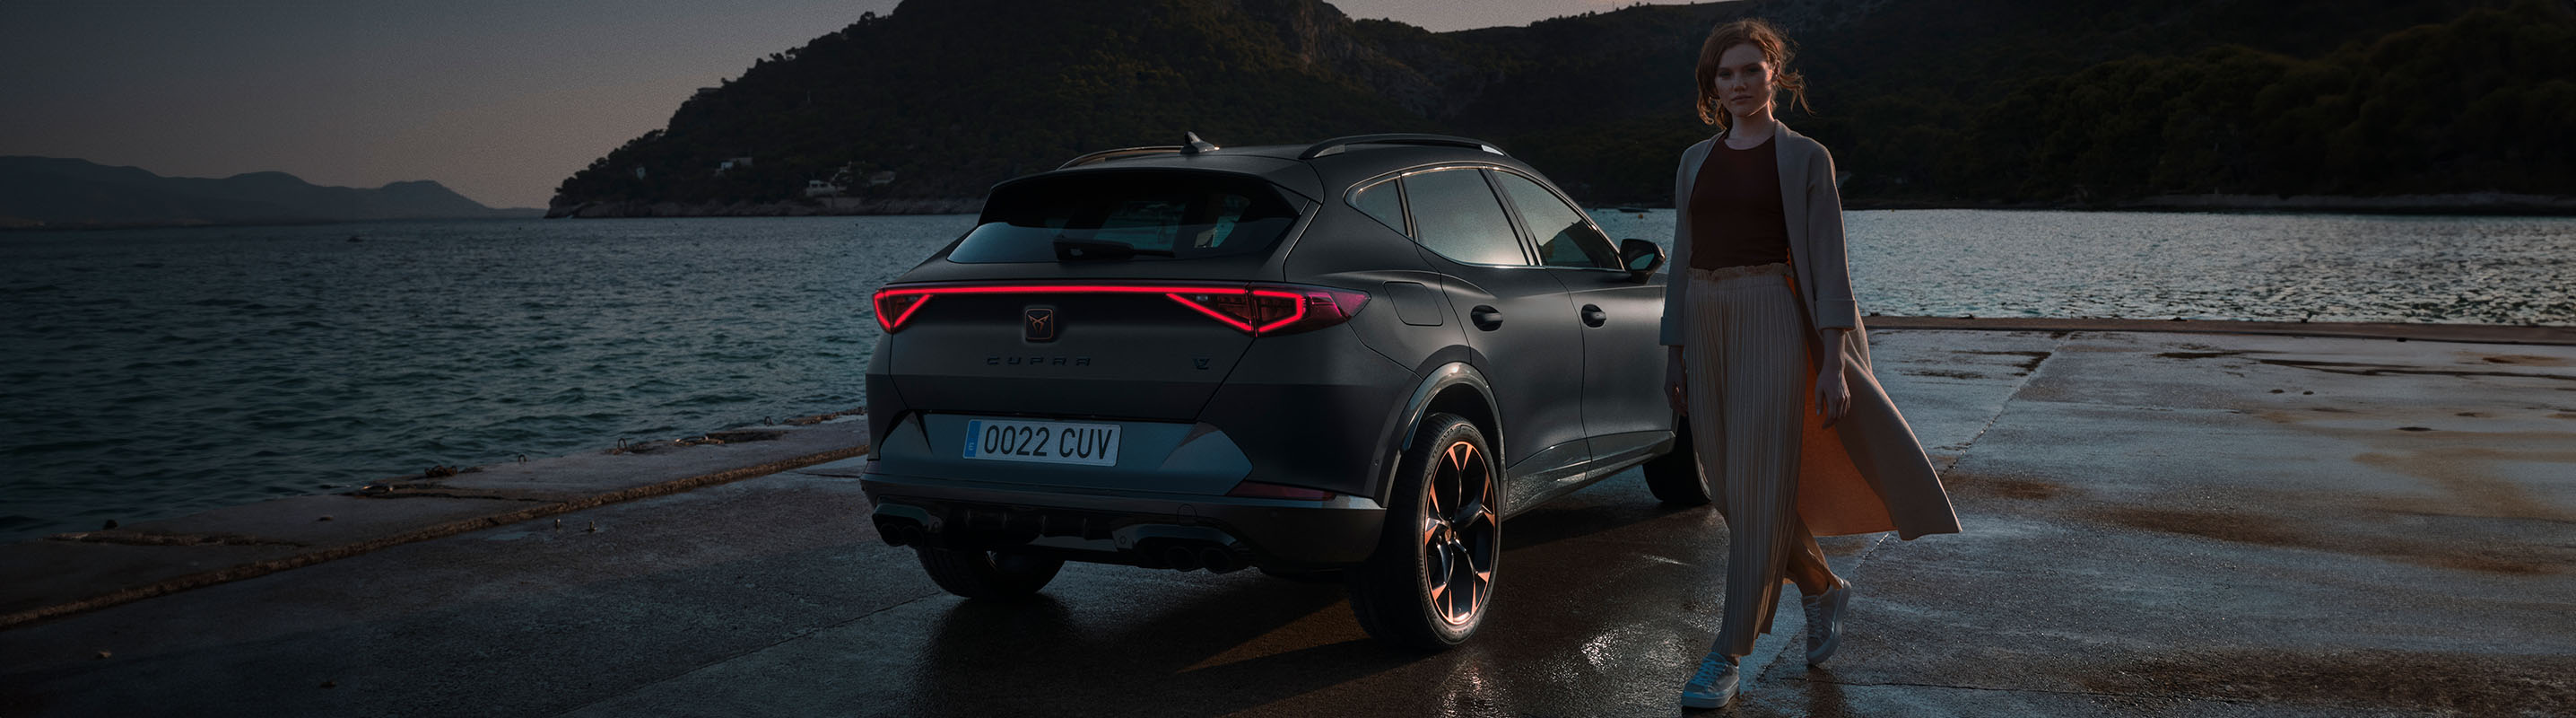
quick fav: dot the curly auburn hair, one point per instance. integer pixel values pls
(1775, 52)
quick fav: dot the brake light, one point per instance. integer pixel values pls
(895, 306)
(1257, 309)
(1276, 310)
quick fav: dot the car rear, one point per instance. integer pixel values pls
(1069, 378)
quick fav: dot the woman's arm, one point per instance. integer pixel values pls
(1676, 286)
(1677, 262)
(1835, 310)
(1834, 306)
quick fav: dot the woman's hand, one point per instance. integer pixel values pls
(1674, 384)
(1833, 396)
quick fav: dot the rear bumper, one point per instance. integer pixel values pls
(1136, 528)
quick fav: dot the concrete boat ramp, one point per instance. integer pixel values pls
(2160, 520)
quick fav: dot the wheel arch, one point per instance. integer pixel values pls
(1455, 388)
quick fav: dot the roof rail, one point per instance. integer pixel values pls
(1192, 147)
(1335, 145)
(1120, 153)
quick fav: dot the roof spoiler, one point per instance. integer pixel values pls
(1120, 153)
(1335, 145)
(1194, 146)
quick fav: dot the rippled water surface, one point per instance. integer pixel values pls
(2273, 267)
(152, 373)
(159, 372)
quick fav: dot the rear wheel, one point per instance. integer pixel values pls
(974, 573)
(1674, 477)
(1432, 576)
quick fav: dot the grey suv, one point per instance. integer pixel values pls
(1356, 357)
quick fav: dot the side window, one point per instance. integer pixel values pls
(1564, 238)
(1384, 202)
(1456, 215)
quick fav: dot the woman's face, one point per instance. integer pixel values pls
(1743, 80)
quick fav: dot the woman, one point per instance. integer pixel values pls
(1802, 440)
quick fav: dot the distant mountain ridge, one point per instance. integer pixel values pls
(1927, 102)
(55, 191)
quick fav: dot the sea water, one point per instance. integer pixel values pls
(159, 372)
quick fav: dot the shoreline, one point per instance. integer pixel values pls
(825, 207)
(105, 226)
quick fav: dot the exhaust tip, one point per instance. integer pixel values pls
(1217, 560)
(1181, 558)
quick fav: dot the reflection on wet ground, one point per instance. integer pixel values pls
(2155, 525)
(2444, 682)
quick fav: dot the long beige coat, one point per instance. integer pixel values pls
(1868, 473)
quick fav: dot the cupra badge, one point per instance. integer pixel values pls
(1038, 324)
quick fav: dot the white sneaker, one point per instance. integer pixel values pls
(1714, 685)
(1825, 621)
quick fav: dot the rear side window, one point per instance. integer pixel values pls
(1456, 215)
(1103, 216)
(1383, 201)
(1565, 237)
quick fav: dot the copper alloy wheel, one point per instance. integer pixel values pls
(1459, 532)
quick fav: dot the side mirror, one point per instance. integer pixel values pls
(1641, 257)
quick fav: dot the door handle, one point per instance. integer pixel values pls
(1486, 318)
(1593, 316)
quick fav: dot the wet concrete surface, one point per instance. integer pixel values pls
(2156, 524)
(70, 573)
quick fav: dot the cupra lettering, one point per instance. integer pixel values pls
(1036, 361)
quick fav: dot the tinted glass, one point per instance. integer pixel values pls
(1564, 238)
(1384, 202)
(1455, 214)
(1126, 215)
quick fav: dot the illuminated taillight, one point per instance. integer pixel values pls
(1258, 490)
(894, 306)
(1327, 307)
(1251, 310)
(1266, 310)
(1257, 309)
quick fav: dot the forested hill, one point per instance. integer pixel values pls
(1931, 101)
(64, 192)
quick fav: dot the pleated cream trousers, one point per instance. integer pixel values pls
(1745, 358)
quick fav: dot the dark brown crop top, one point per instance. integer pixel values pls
(1735, 211)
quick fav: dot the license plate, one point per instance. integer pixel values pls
(1051, 442)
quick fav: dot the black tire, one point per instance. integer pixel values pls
(986, 574)
(1674, 477)
(1431, 580)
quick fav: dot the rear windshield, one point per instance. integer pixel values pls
(1119, 216)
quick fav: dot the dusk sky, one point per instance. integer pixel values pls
(497, 100)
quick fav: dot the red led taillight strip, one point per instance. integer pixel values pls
(1296, 304)
(895, 305)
